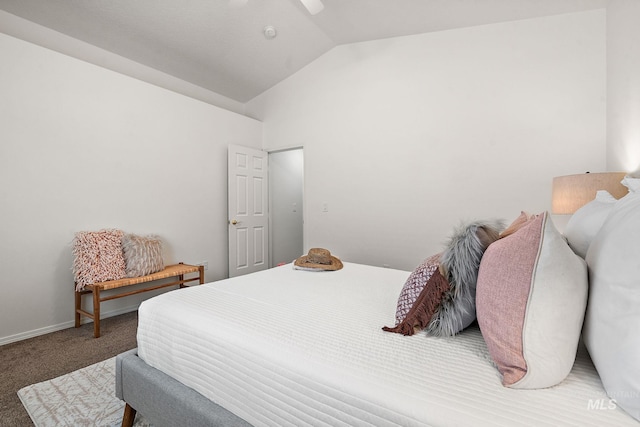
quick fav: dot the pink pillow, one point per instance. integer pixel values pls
(98, 257)
(530, 302)
(522, 220)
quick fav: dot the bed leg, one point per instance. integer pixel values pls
(129, 416)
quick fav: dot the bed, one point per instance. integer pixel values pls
(288, 347)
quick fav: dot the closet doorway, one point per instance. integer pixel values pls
(286, 196)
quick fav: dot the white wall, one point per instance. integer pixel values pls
(85, 148)
(406, 137)
(623, 86)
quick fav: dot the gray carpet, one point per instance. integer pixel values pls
(55, 354)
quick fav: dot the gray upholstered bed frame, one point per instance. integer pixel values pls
(162, 400)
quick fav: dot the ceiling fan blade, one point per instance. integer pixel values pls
(235, 4)
(313, 6)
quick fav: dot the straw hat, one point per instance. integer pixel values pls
(320, 259)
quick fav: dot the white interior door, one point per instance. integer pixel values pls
(248, 210)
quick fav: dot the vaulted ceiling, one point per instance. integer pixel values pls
(220, 45)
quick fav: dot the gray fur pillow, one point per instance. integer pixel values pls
(459, 264)
(142, 254)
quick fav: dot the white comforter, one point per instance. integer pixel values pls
(285, 347)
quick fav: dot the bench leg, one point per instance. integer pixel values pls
(96, 311)
(78, 307)
(201, 271)
(129, 416)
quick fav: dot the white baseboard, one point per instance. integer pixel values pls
(53, 328)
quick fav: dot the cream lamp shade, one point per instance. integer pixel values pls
(571, 192)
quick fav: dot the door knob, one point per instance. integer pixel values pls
(234, 221)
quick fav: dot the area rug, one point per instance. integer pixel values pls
(85, 397)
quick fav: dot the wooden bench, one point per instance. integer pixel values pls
(176, 270)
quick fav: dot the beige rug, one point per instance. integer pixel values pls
(85, 397)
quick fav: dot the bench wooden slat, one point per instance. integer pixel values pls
(169, 271)
(176, 270)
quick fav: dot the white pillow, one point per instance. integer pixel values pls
(612, 321)
(633, 184)
(586, 221)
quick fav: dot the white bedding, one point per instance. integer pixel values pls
(289, 347)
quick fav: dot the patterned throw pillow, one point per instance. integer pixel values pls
(420, 297)
(97, 257)
(414, 285)
(142, 254)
